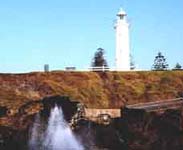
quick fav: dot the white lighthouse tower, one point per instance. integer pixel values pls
(122, 42)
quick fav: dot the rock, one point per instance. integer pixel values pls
(3, 111)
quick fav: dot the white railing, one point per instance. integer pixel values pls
(100, 68)
(156, 104)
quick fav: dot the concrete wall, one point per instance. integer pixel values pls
(93, 113)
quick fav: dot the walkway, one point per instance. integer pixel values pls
(159, 105)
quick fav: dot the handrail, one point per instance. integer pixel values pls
(99, 68)
(156, 102)
(159, 105)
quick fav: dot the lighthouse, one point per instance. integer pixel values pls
(122, 42)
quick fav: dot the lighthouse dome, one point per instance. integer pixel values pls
(121, 12)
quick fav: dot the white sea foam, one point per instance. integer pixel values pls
(57, 136)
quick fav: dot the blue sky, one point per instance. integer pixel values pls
(67, 33)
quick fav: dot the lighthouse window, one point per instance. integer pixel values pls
(121, 17)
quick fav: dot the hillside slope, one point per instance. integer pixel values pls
(102, 90)
(19, 94)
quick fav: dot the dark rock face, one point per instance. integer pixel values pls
(3, 111)
(95, 136)
(17, 137)
(69, 108)
(11, 139)
(152, 131)
(136, 130)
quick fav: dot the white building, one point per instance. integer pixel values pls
(122, 42)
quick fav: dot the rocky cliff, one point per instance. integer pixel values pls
(23, 95)
(95, 90)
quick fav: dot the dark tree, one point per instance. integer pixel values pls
(160, 63)
(178, 66)
(99, 60)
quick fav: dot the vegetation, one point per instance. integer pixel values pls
(99, 59)
(160, 63)
(178, 66)
(104, 89)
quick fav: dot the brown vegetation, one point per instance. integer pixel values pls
(21, 96)
(96, 90)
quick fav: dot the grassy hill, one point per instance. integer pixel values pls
(96, 90)
(101, 90)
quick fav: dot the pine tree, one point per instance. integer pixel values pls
(99, 60)
(178, 66)
(160, 63)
